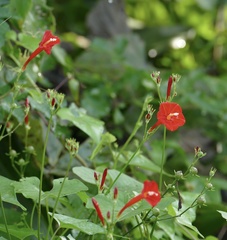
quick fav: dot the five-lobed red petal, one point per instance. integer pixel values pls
(170, 114)
(151, 193)
(48, 41)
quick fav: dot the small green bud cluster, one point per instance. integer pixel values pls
(55, 99)
(156, 77)
(72, 146)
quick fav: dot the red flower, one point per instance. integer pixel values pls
(169, 114)
(98, 210)
(48, 41)
(150, 193)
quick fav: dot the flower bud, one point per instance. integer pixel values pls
(96, 176)
(21, 162)
(108, 216)
(153, 219)
(156, 77)
(13, 153)
(201, 201)
(171, 188)
(199, 153)
(30, 149)
(193, 171)
(209, 186)
(115, 193)
(212, 172)
(179, 175)
(72, 146)
(14, 105)
(156, 211)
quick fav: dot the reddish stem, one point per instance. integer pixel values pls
(130, 203)
(33, 54)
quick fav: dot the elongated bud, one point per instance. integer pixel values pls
(103, 178)
(168, 92)
(96, 176)
(26, 120)
(98, 210)
(115, 193)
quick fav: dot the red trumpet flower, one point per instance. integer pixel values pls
(48, 41)
(169, 114)
(150, 193)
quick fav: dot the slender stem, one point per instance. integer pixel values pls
(4, 217)
(134, 131)
(32, 216)
(152, 231)
(59, 193)
(163, 158)
(41, 175)
(125, 166)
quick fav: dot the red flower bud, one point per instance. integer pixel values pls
(98, 210)
(103, 178)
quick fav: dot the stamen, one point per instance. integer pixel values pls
(169, 117)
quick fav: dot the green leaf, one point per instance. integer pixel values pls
(91, 126)
(106, 139)
(185, 222)
(39, 18)
(4, 29)
(82, 225)
(141, 161)
(28, 41)
(29, 187)
(211, 238)
(223, 214)
(124, 182)
(86, 174)
(19, 9)
(168, 227)
(7, 192)
(20, 233)
(70, 187)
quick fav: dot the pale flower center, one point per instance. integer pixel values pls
(151, 193)
(172, 115)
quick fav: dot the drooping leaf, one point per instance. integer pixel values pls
(91, 126)
(7, 192)
(19, 233)
(223, 214)
(86, 174)
(29, 187)
(82, 225)
(70, 187)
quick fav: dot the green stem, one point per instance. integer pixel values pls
(41, 175)
(4, 217)
(125, 166)
(163, 158)
(59, 194)
(134, 131)
(152, 231)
